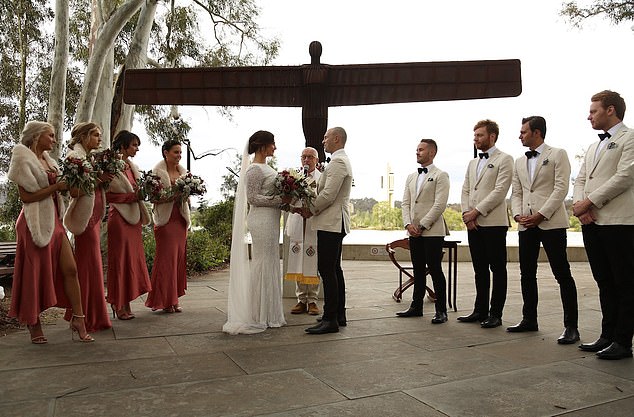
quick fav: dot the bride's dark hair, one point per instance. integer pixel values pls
(259, 139)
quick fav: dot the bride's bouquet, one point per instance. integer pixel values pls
(151, 187)
(108, 162)
(78, 173)
(189, 184)
(292, 182)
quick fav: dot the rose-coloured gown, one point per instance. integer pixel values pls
(169, 273)
(127, 272)
(90, 271)
(38, 282)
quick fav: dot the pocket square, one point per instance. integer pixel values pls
(612, 145)
(430, 179)
(545, 162)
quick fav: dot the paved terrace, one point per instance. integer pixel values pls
(183, 365)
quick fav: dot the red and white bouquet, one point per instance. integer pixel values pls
(78, 173)
(151, 187)
(189, 184)
(292, 182)
(108, 162)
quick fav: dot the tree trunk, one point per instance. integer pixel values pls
(137, 58)
(24, 51)
(103, 44)
(101, 112)
(57, 92)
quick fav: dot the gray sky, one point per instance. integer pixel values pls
(561, 68)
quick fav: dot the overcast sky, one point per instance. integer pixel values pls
(561, 68)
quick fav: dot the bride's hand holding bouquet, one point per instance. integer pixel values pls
(292, 185)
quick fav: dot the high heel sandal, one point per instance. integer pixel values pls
(37, 340)
(74, 328)
(121, 314)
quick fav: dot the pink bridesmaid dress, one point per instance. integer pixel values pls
(90, 271)
(127, 272)
(169, 273)
(38, 282)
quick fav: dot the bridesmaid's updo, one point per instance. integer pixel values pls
(81, 131)
(168, 145)
(123, 140)
(32, 132)
(259, 139)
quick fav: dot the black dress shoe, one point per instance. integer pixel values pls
(615, 351)
(569, 336)
(324, 327)
(410, 312)
(595, 346)
(341, 320)
(439, 318)
(471, 318)
(524, 326)
(491, 322)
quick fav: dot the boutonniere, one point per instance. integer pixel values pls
(545, 162)
(612, 145)
(430, 179)
(490, 166)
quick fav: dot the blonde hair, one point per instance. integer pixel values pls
(32, 131)
(80, 131)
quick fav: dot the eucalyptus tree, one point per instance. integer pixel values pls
(615, 11)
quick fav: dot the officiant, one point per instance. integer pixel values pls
(302, 248)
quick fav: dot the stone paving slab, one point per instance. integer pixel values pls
(236, 396)
(393, 404)
(544, 390)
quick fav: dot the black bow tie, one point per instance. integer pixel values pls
(421, 170)
(604, 135)
(484, 155)
(531, 154)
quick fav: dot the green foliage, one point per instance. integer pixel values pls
(217, 220)
(615, 11)
(149, 246)
(453, 218)
(10, 209)
(7, 233)
(385, 217)
(575, 224)
(363, 204)
(230, 179)
(205, 251)
(361, 220)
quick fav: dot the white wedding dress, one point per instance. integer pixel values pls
(255, 289)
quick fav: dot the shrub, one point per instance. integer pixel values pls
(149, 247)
(205, 251)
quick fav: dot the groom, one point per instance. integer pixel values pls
(332, 222)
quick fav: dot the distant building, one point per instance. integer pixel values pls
(387, 185)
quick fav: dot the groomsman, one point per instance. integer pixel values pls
(484, 212)
(540, 184)
(603, 200)
(424, 201)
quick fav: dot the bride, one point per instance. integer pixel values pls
(255, 289)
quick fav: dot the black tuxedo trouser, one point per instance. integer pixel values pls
(555, 243)
(329, 266)
(487, 246)
(610, 250)
(427, 252)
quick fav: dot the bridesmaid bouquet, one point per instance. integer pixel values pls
(188, 185)
(151, 187)
(78, 173)
(108, 162)
(292, 182)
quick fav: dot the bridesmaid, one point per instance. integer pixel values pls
(83, 219)
(127, 272)
(171, 221)
(45, 272)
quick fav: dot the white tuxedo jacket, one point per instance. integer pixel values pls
(426, 207)
(545, 192)
(331, 206)
(487, 192)
(608, 179)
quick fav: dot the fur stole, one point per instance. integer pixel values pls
(26, 171)
(162, 212)
(80, 209)
(131, 212)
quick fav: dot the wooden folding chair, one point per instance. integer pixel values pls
(404, 270)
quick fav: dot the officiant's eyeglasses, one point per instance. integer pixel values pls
(308, 156)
